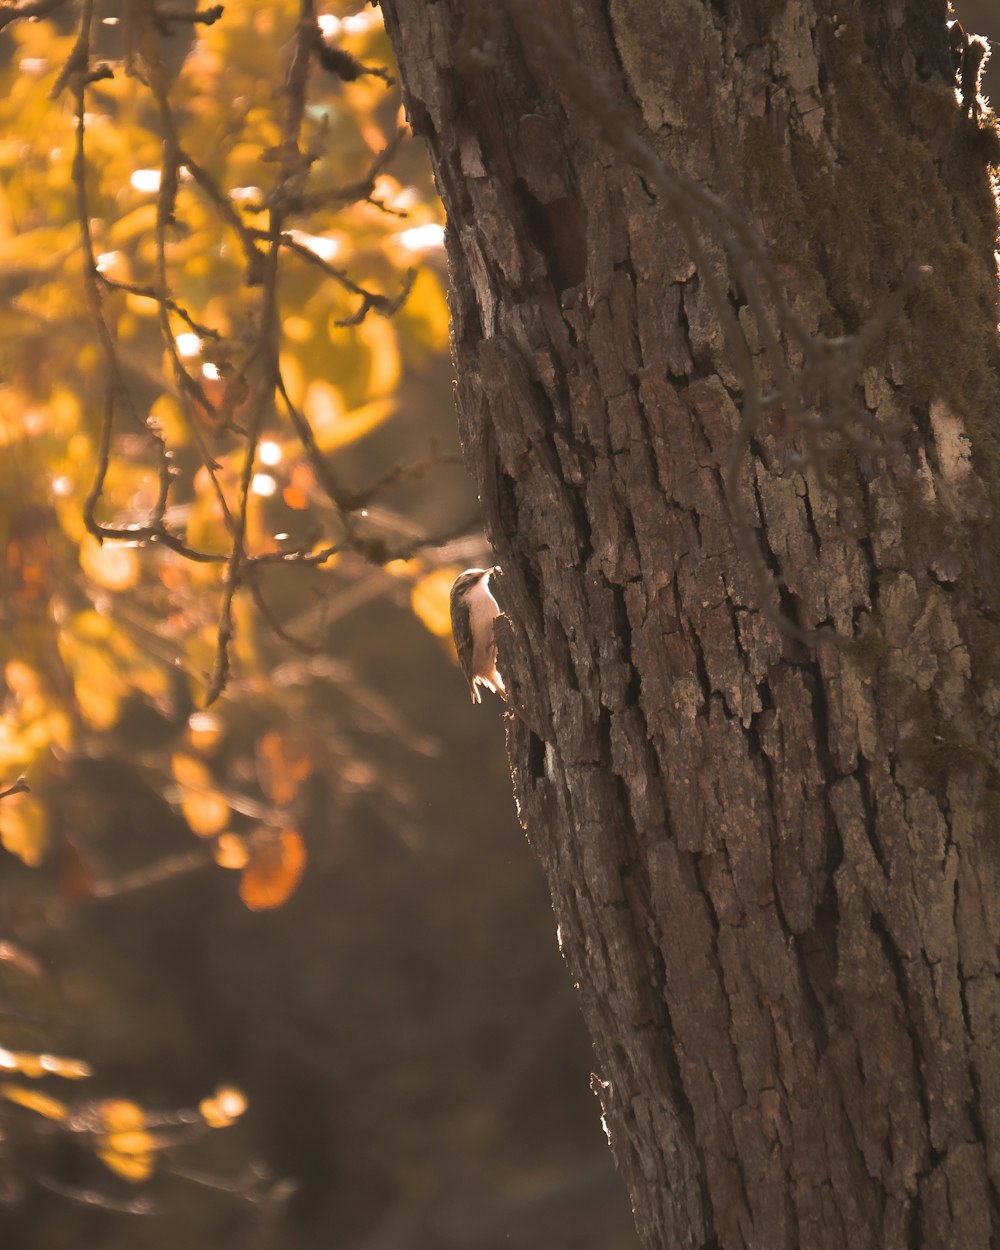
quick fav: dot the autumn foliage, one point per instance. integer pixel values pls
(219, 260)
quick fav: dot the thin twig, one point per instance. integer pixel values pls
(152, 874)
(150, 292)
(141, 1205)
(19, 787)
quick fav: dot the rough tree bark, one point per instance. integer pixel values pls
(773, 859)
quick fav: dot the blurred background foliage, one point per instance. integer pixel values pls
(276, 967)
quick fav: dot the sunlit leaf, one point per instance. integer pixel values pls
(119, 1115)
(426, 310)
(109, 564)
(273, 871)
(323, 407)
(34, 1100)
(29, 1063)
(356, 424)
(231, 851)
(225, 1107)
(430, 599)
(299, 491)
(140, 221)
(126, 1146)
(22, 681)
(379, 335)
(204, 809)
(98, 682)
(24, 827)
(167, 415)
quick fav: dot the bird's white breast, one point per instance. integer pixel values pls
(483, 610)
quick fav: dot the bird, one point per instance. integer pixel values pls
(473, 611)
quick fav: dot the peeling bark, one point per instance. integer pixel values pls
(774, 864)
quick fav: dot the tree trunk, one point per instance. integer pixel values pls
(759, 695)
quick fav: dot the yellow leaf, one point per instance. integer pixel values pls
(110, 564)
(357, 423)
(291, 372)
(323, 408)
(24, 828)
(36, 1065)
(189, 772)
(140, 221)
(168, 416)
(97, 680)
(379, 336)
(51, 1108)
(204, 809)
(431, 599)
(119, 1115)
(273, 871)
(231, 851)
(298, 329)
(426, 310)
(133, 1163)
(126, 1147)
(21, 680)
(225, 1106)
(142, 305)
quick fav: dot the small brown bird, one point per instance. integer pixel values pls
(473, 611)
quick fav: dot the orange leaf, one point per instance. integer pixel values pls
(300, 488)
(231, 851)
(295, 499)
(273, 871)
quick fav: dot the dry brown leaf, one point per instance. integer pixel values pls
(283, 763)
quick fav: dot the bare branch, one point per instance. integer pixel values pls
(151, 292)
